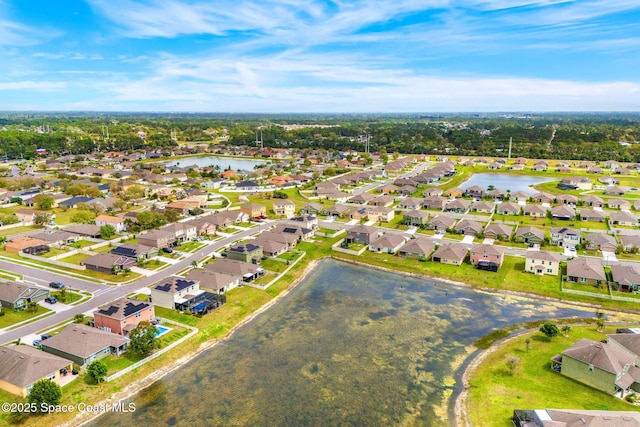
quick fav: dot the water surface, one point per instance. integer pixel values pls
(223, 162)
(505, 182)
(349, 346)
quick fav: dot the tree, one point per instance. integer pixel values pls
(600, 324)
(41, 218)
(549, 329)
(83, 217)
(527, 342)
(119, 205)
(43, 201)
(97, 370)
(565, 330)
(107, 231)
(45, 393)
(32, 307)
(78, 318)
(512, 362)
(143, 338)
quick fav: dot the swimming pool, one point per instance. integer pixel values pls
(161, 330)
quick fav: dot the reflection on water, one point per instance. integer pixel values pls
(222, 162)
(348, 346)
(505, 182)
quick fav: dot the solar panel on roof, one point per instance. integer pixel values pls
(289, 230)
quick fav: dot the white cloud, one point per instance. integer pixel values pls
(33, 85)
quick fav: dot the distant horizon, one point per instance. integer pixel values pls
(362, 56)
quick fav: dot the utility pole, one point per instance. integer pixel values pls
(260, 142)
(510, 142)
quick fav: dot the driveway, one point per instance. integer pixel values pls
(609, 257)
(468, 239)
(569, 251)
(488, 241)
(438, 236)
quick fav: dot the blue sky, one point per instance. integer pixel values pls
(320, 56)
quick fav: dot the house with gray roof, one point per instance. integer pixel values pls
(530, 235)
(214, 281)
(387, 243)
(542, 262)
(17, 295)
(496, 230)
(630, 241)
(600, 242)
(21, 366)
(588, 271)
(452, 253)
(84, 344)
(419, 248)
(508, 208)
(245, 252)
(623, 218)
(626, 276)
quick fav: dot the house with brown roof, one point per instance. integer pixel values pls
(458, 206)
(468, 227)
(434, 202)
(508, 208)
(183, 207)
(381, 201)
(22, 366)
(487, 257)
(211, 280)
(284, 207)
(418, 248)
(614, 190)
(380, 213)
(410, 203)
(475, 191)
(563, 212)
(593, 201)
(363, 234)
(387, 243)
(454, 192)
(542, 262)
(626, 275)
(600, 242)
(520, 196)
(621, 204)
(452, 253)
(116, 222)
(17, 295)
(537, 211)
(530, 235)
(27, 245)
(496, 230)
(482, 207)
(588, 271)
(108, 263)
(26, 215)
(623, 218)
(312, 208)
(592, 215)
(84, 344)
(629, 242)
(157, 238)
(337, 210)
(123, 315)
(415, 217)
(254, 210)
(248, 272)
(543, 197)
(362, 198)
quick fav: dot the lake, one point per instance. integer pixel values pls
(350, 345)
(223, 162)
(505, 182)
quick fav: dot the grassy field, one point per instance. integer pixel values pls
(494, 393)
(75, 259)
(12, 317)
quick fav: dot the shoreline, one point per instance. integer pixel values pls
(459, 399)
(142, 383)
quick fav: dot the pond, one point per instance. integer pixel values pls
(505, 182)
(223, 162)
(350, 345)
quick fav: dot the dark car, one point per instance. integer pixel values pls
(37, 343)
(56, 285)
(167, 250)
(45, 337)
(51, 300)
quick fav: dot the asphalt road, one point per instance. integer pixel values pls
(104, 293)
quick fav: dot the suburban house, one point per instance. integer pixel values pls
(271, 248)
(284, 207)
(411, 203)
(483, 207)
(245, 252)
(28, 245)
(458, 206)
(415, 217)
(122, 315)
(487, 257)
(441, 223)
(543, 197)
(21, 366)
(454, 192)
(586, 270)
(614, 190)
(177, 293)
(90, 230)
(623, 218)
(626, 275)
(108, 263)
(468, 227)
(621, 204)
(381, 201)
(520, 196)
(542, 262)
(362, 198)
(254, 210)
(508, 208)
(204, 225)
(26, 215)
(337, 210)
(567, 199)
(600, 242)
(248, 272)
(388, 243)
(629, 242)
(565, 237)
(17, 296)
(592, 215)
(530, 235)
(420, 248)
(498, 194)
(116, 222)
(537, 211)
(452, 253)
(182, 231)
(563, 212)
(216, 282)
(475, 191)
(56, 238)
(183, 207)
(434, 202)
(593, 201)
(312, 208)
(157, 238)
(380, 213)
(363, 234)
(496, 230)
(609, 367)
(84, 344)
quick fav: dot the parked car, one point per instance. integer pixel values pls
(56, 285)
(51, 300)
(37, 343)
(167, 250)
(45, 337)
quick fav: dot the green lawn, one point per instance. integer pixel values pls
(18, 230)
(81, 244)
(272, 265)
(264, 279)
(494, 393)
(70, 297)
(289, 256)
(190, 246)
(105, 248)
(12, 317)
(75, 259)
(154, 264)
(54, 252)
